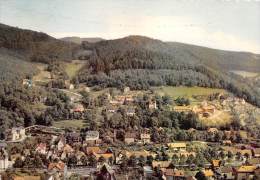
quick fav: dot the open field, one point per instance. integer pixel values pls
(72, 124)
(43, 75)
(73, 67)
(187, 92)
(246, 74)
(220, 118)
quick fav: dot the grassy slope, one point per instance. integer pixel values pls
(247, 74)
(73, 68)
(13, 68)
(72, 124)
(187, 92)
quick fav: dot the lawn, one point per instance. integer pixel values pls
(73, 68)
(186, 92)
(70, 124)
(43, 76)
(220, 118)
(246, 74)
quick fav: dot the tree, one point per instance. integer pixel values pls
(101, 159)
(18, 163)
(123, 164)
(84, 160)
(190, 159)
(132, 161)
(200, 176)
(92, 160)
(72, 160)
(175, 159)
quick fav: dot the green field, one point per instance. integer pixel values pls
(71, 124)
(73, 67)
(187, 92)
(246, 74)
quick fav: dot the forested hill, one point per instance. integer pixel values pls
(163, 54)
(227, 60)
(35, 46)
(141, 62)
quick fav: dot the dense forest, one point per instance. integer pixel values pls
(141, 62)
(35, 46)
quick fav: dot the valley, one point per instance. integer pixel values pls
(136, 106)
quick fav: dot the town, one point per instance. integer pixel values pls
(129, 90)
(123, 146)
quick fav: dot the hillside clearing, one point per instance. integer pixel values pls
(220, 118)
(187, 92)
(73, 67)
(70, 124)
(246, 74)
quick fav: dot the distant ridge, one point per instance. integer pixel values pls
(79, 40)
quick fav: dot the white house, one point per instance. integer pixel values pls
(4, 160)
(92, 135)
(18, 133)
(61, 144)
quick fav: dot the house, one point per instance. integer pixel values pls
(145, 138)
(130, 112)
(61, 143)
(177, 146)
(28, 177)
(161, 164)
(78, 108)
(18, 133)
(130, 138)
(216, 163)
(212, 130)
(148, 171)
(152, 105)
(41, 148)
(73, 137)
(56, 166)
(129, 99)
(256, 152)
(244, 172)
(112, 109)
(246, 153)
(80, 155)
(226, 143)
(67, 149)
(27, 82)
(126, 89)
(4, 160)
(227, 172)
(92, 136)
(182, 108)
(208, 173)
(172, 174)
(92, 150)
(106, 155)
(68, 85)
(257, 173)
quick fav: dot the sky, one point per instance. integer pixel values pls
(221, 24)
